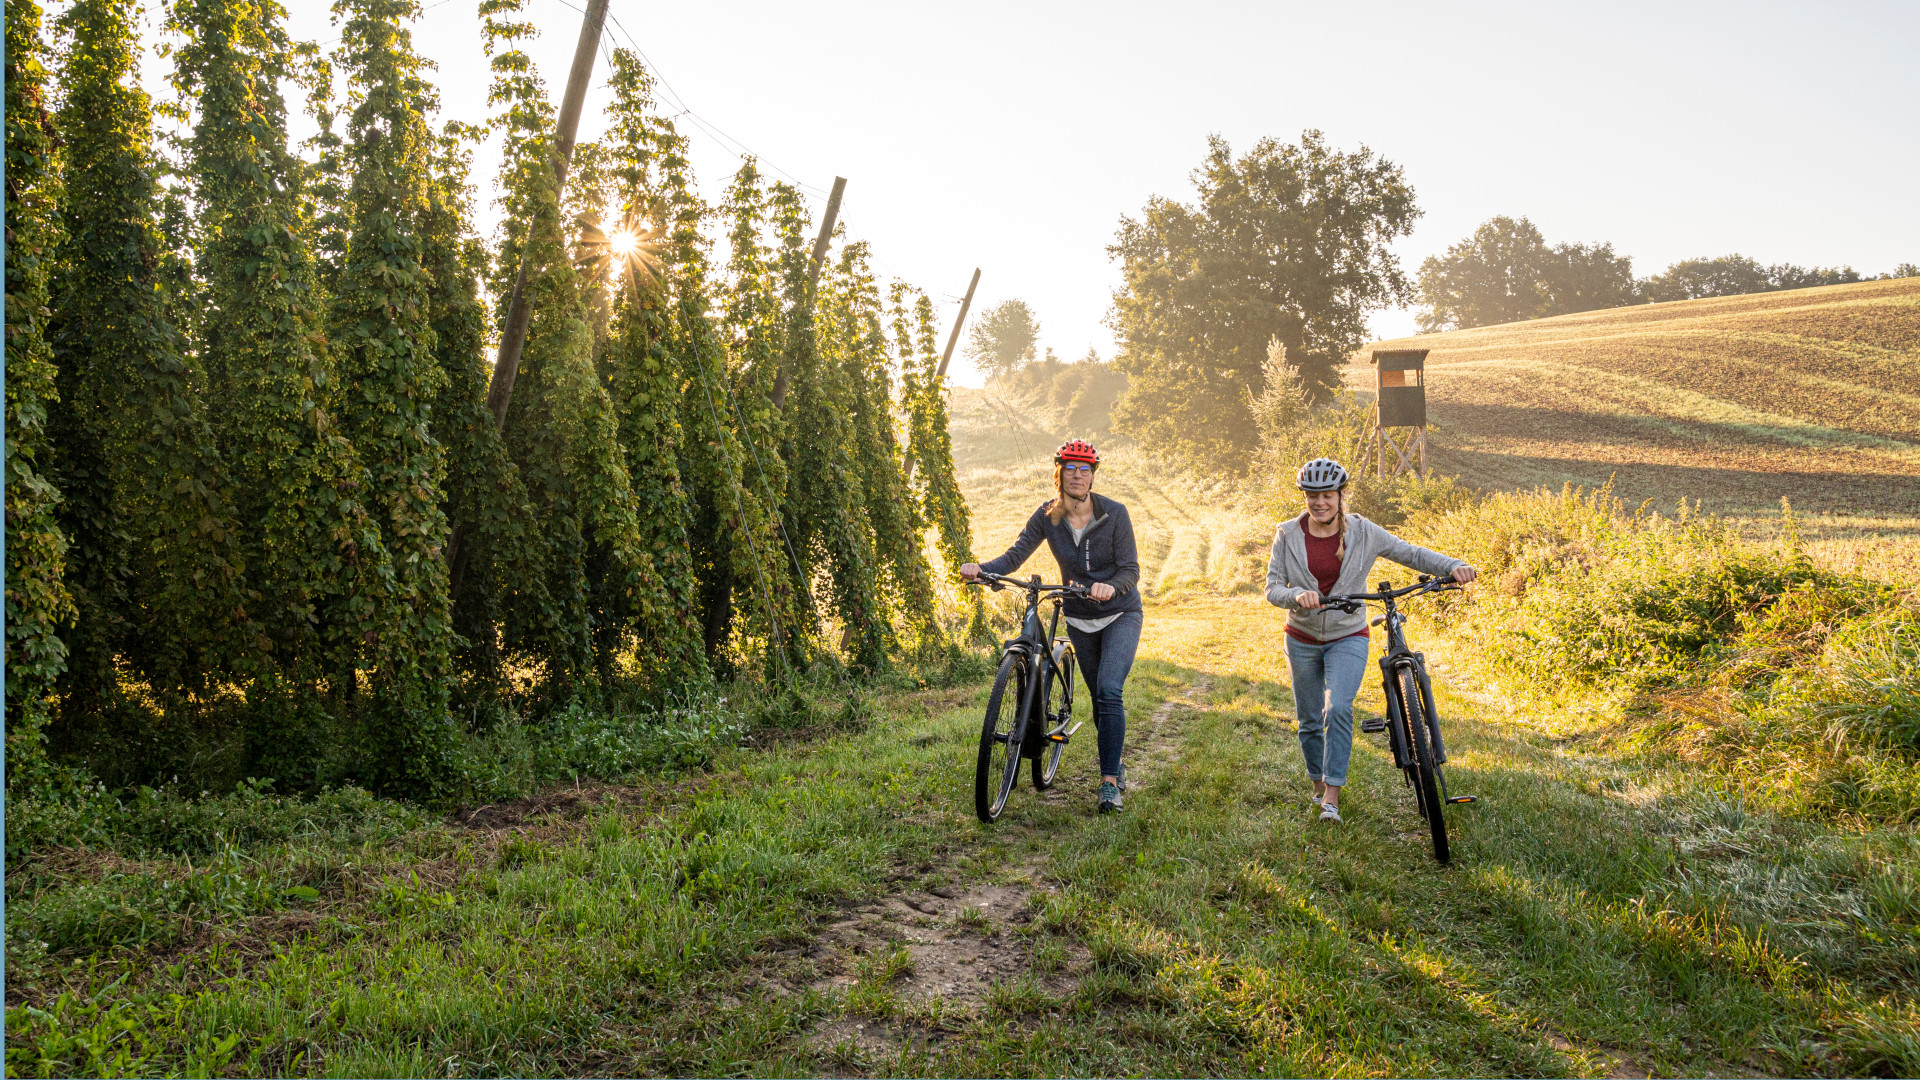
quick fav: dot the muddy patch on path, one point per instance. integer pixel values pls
(911, 965)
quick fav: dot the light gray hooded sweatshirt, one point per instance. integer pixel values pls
(1288, 577)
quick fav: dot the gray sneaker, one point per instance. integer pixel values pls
(1110, 802)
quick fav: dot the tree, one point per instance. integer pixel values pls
(1506, 272)
(1003, 338)
(1589, 277)
(1286, 240)
(1498, 275)
(1691, 279)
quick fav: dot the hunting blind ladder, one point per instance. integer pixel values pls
(1400, 401)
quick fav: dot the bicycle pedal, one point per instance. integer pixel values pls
(1059, 738)
(1463, 799)
(1372, 726)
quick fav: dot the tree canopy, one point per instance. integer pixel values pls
(1003, 338)
(1287, 240)
(1506, 272)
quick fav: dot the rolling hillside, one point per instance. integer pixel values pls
(1812, 394)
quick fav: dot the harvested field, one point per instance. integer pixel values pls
(1811, 394)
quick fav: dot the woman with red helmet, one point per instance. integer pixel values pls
(1329, 552)
(1092, 539)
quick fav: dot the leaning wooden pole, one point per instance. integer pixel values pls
(826, 230)
(513, 336)
(780, 382)
(958, 321)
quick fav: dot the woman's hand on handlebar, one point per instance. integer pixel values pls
(1101, 591)
(1309, 601)
(970, 571)
(1464, 574)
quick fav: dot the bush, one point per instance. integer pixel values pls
(1799, 683)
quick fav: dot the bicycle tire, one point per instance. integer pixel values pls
(1414, 710)
(990, 791)
(1056, 699)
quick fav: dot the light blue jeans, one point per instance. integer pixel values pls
(1325, 680)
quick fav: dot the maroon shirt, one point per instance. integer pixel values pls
(1323, 562)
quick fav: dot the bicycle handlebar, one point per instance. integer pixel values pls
(988, 579)
(1352, 602)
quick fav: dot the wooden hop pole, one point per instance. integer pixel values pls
(958, 321)
(513, 337)
(780, 381)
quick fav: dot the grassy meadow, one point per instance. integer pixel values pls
(1810, 394)
(822, 901)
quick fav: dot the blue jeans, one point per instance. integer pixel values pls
(1325, 679)
(1105, 657)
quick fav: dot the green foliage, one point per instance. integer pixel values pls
(561, 426)
(1003, 338)
(1284, 241)
(382, 329)
(1081, 394)
(1505, 272)
(1797, 683)
(320, 582)
(155, 567)
(855, 342)
(37, 598)
(825, 515)
(1735, 275)
(299, 541)
(490, 521)
(743, 473)
(934, 488)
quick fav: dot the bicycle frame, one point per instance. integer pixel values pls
(1043, 653)
(1396, 657)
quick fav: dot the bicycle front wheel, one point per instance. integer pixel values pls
(1000, 736)
(1056, 698)
(1414, 710)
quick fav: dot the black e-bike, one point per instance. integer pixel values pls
(1031, 706)
(1413, 723)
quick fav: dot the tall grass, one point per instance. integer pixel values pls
(1801, 684)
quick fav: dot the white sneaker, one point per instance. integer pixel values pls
(1329, 812)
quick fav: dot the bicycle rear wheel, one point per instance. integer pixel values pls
(1414, 709)
(1056, 697)
(1000, 736)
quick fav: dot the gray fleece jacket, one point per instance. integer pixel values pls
(1288, 577)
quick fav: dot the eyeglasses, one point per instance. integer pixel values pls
(1077, 468)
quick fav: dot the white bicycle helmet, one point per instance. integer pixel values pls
(1322, 474)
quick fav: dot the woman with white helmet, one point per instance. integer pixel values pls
(1329, 552)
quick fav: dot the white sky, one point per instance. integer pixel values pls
(1013, 137)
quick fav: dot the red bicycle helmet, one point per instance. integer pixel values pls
(1076, 450)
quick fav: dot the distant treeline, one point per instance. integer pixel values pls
(1506, 272)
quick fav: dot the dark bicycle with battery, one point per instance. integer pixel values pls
(1413, 723)
(1030, 711)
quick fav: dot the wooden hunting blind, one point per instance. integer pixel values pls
(1400, 401)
